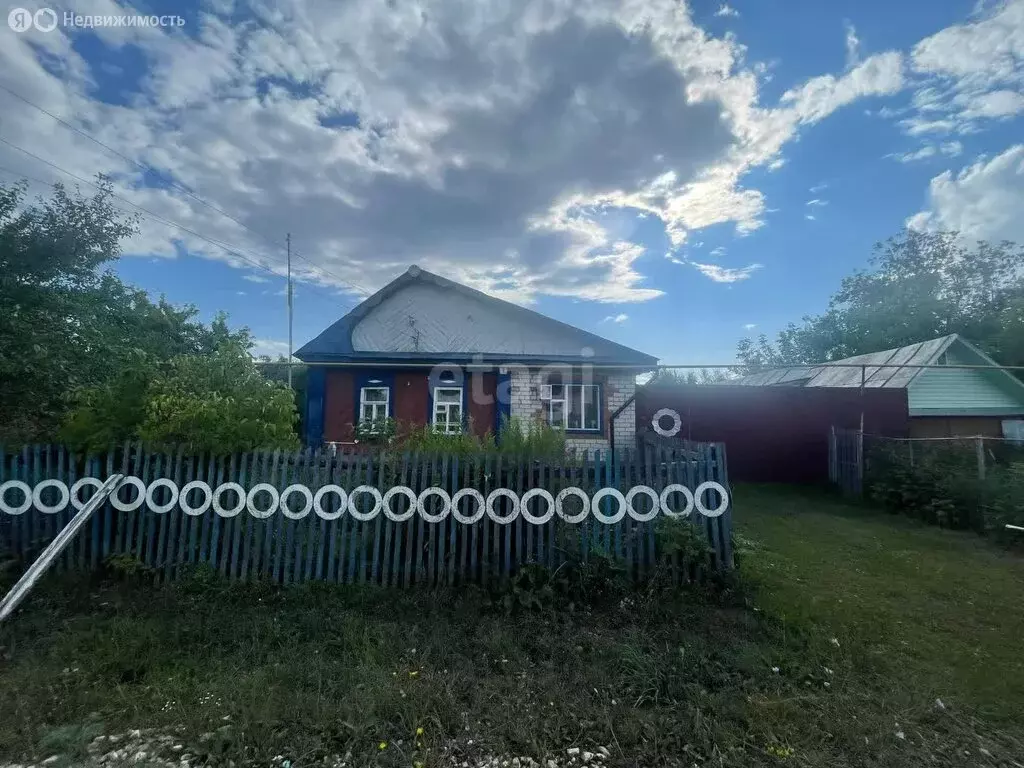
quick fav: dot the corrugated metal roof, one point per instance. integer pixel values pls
(884, 369)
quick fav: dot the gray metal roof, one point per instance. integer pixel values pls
(884, 369)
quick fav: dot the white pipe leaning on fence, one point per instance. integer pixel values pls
(49, 555)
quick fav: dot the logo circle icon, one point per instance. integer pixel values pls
(45, 19)
(19, 20)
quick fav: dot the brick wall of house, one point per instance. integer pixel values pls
(617, 389)
(481, 414)
(339, 405)
(410, 402)
(410, 399)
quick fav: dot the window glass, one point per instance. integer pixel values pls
(448, 410)
(575, 406)
(591, 408)
(373, 407)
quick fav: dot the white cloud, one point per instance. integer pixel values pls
(272, 348)
(462, 139)
(817, 202)
(810, 217)
(951, 148)
(725, 274)
(818, 188)
(946, 148)
(970, 73)
(994, 104)
(819, 97)
(726, 10)
(852, 46)
(983, 201)
(256, 278)
(717, 252)
(749, 326)
(620, 318)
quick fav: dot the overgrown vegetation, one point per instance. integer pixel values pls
(939, 482)
(91, 359)
(858, 641)
(518, 438)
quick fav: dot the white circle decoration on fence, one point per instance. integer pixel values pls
(76, 489)
(399, 517)
(580, 494)
(140, 495)
(203, 488)
(481, 504)
(378, 502)
(19, 508)
(231, 512)
(417, 503)
(620, 513)
(307, 496)
(318, 500)
(525, 508)
(666, 494)
(677, 422)
(493, 514)
(163, 482)
(250, 500)
(642, 517)
(445, 508)
(723, 498)
(51, 509)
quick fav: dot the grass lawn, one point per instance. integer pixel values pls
(847, 628)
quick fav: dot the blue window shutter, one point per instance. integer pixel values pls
(316, 380)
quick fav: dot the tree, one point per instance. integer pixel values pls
(69, 326)
(219, 403)
(691, 376)
(919, 286)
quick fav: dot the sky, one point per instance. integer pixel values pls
(673, 176)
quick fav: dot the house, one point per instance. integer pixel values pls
(425, 350)
(940, 403)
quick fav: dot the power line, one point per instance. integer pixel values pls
(227, 248)
(179, 186)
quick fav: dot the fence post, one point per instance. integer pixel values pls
(979, 448)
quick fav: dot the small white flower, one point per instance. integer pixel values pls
(827, 670)
(775, 670)
(835, 642)
(900, 735)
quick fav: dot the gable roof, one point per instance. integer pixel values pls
(886, 369)
(335, 343)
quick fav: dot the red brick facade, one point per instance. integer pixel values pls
(410, 402)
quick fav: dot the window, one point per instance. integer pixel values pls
(575, 406)
(373, 408)
(1013, 430)
(448, 410)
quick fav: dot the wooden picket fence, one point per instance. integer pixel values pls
(380, 551)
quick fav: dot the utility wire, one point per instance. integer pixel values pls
(180, 187)
(227, 248)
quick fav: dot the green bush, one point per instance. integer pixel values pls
(939, 483)
(217, 402)
(534, 439)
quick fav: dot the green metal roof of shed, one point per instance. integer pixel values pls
(886, 369)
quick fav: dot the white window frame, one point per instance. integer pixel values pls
(566, 399)
(447, 428)
(374, 425)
